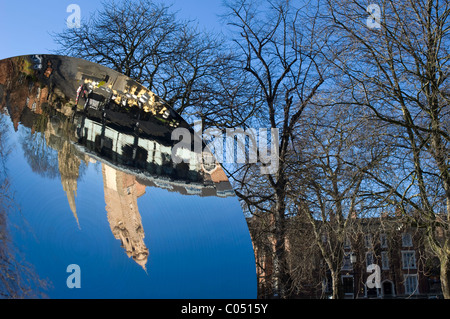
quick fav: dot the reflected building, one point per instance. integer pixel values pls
(89, 113)
(112, 119)
(69, 166)
(69, 113)
(121, 194)
(69, 159)
(149, 157)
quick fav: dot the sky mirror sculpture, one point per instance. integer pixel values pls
(92, 204)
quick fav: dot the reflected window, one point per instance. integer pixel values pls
(104, 145)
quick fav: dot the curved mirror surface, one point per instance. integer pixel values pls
(92, 202)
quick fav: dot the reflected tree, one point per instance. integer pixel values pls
(17, 277)
(42, 158)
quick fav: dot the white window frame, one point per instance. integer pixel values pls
(373, 258)
(406, 261)
(346, 261)
(406, 240)
(383, 240)
(409, 290)
(384, 260)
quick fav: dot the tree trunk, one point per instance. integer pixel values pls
(281, 275)
(442, 251)
(336, 285)
(444, 258)
(445, 262)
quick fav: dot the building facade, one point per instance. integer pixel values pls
(382, 258)
(389, 260)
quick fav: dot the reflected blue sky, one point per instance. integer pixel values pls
(199, 246)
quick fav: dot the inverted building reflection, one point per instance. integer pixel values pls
(121, 193)
(90, 114)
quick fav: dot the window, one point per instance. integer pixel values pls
(384, 260)
(409, 259)
(369, 259)
(347, 244)
(406, 240)
(348, 285)
(368, 240)
(383, 241)
(346, 262)
(411, 284)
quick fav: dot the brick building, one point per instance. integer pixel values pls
(405, 265)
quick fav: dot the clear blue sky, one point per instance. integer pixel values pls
(26, 26)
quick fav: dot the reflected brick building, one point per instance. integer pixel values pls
(121, 194)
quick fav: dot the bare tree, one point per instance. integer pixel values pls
(146, 41)
(282, 55)
(338, 147)
(398, 69)
(305, 263)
